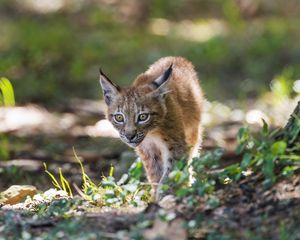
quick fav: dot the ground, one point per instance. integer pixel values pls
(242, 209)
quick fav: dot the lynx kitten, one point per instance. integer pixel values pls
(159, 114)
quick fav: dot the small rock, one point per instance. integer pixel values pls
(54, 194)
(17, 193)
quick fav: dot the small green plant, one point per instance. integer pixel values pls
(262, 153)
(178, 180)
(265, 152)
(59, 207)
(128, 191)
(62, 183)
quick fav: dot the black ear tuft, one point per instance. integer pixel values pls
(163, 78)
(110, 90)
(102, 73)
(161, 88)
(168, 72)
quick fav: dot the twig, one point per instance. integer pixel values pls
(78, 190)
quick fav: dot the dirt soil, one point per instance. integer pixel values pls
(246, 210)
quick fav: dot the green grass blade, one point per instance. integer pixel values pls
(62, 180)
(111, 171)
(65, 184)
(84, 176)
(54, 181)
(8, 97)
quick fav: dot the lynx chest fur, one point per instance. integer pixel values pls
(159, 114)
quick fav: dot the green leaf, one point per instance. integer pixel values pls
(165, 187)
(268, 169)
(243, 134)
(180, 164)
(175, 175)
(108, 183)
(240, 148)
(289, 170)
(265, 129)
(246, 161)
(182, 192)
(109, 193)
(136, 169)
(278, 148)
(123, 179)
(110, 201)
(8, 97)
(232, 169)
(131, 187)
(213, 202)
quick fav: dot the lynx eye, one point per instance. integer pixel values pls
(119, 118)
(143, 117)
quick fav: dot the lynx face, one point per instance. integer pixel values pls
(133, 116)
(135, 111)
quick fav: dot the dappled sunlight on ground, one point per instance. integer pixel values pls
(32, 119)
(256, 116)
(27, 117)
(275, 113)
(102, 128)
(86, 118)
(288, 190)
(296, 86)
(46, 6)
(199, 31)
(26, 164)
(222, 122)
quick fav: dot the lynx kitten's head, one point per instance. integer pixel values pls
(136, 110)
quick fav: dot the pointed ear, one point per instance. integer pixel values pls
(110, 90)
(161, 83)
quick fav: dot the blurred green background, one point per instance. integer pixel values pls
(51, 50)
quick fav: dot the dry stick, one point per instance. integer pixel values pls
(78, 190)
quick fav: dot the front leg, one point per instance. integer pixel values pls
(153, 164)
(167, 167)
(176, 151)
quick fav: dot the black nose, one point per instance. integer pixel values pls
(130, 136)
